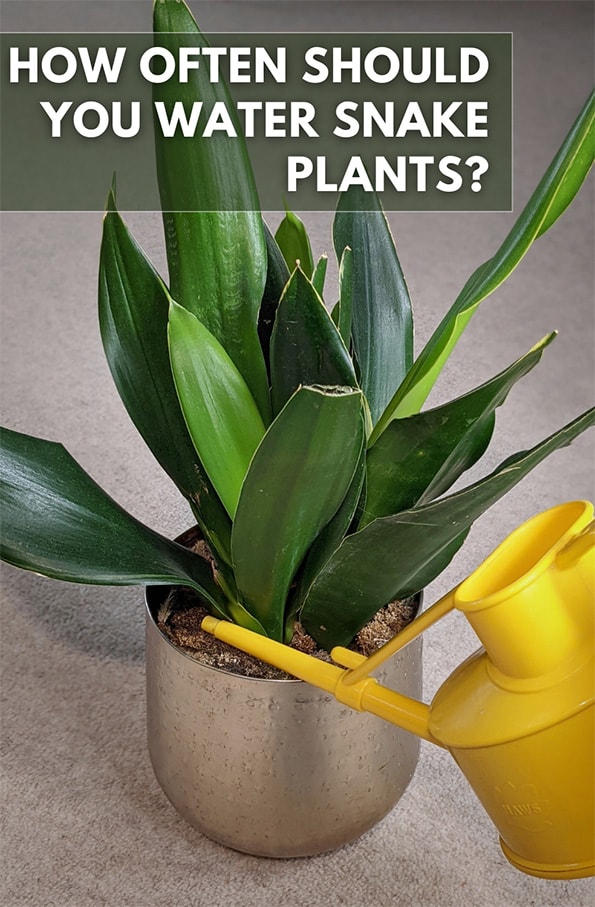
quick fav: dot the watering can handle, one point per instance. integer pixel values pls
(344, 657)
(580, 551)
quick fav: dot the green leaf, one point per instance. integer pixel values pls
(342, 313)
(296, 483)
(220, 412)
(382, 327)
(215, 242)
(292, 239)
(306, 347)
(327, 542)
(554, 193)
(277, 277)
(396, 556)
(417, 459)
(57, 521)
(319, 275)
(133, 313)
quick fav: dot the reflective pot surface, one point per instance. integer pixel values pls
(274, 768)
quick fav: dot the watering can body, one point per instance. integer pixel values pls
(518, 716)
(530, 760)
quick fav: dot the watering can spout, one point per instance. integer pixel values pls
(519, 715)
(367, 695)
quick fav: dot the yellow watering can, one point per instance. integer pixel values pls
(518, 715)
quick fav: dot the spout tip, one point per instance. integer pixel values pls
(209, 625)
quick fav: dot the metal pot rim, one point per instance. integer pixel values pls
(155, 591)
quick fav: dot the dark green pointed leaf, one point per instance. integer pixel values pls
(319, 275)
(57, 521)
(417, 459)
(215, 242)
(133, 313)
(382, 322)
(277, 277)
(306, 347)
(396, 556)
(221, 415)
(292, 238)
(296, 483)
(330, 538)
(342, 313)
(554, 193)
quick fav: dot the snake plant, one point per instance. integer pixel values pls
(294, 430)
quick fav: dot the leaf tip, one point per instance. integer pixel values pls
(544, 342)
(110, 205)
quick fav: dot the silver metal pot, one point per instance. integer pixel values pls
(274, 768)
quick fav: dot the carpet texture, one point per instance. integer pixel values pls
(84, 820)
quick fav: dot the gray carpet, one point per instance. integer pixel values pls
(84, 821)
